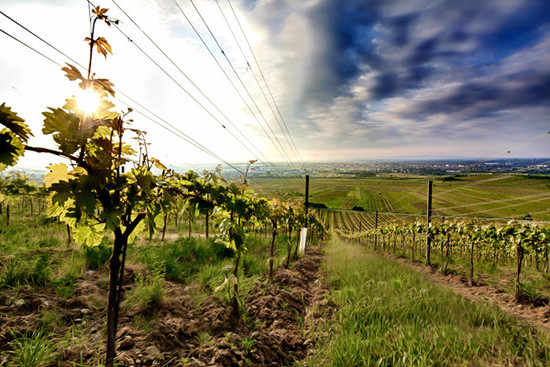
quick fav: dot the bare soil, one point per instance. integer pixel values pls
(183, 331)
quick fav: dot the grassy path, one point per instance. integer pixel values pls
(390, 315)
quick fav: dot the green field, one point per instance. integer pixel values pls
(506, 196)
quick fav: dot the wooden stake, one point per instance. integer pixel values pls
(429, 220)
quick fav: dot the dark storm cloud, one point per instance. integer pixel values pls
(473, 99)
(519, 29)
(400, 28)
(350, 23)
(388, 71)
(347, 28)
(398, 52)
(352, 26)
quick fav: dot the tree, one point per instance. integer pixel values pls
(523, 238)
(237, 206)
(94, 194)
(205, 191)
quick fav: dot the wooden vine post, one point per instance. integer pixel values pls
(429, 220)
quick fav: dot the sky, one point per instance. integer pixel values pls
(351, 79)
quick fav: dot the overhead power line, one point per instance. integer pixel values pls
(263, 77)
(176, 131)
(284, 154)
(30, 47)
(259, 153)
(227, 77)
(283, 126)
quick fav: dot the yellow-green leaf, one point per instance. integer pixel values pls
(102, 132)
(58, 172)
(14, 123)
(90, 236)
(157, 163)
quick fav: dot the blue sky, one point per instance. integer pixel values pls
(353, 79)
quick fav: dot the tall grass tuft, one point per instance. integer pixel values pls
(18, 272)
(183, 258)
(96, 257)
(148, 293)
(30, 350)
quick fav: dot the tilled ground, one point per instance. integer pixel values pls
(272, 332)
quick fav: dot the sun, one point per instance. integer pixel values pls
(87, 100)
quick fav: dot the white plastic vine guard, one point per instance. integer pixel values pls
(303, 240)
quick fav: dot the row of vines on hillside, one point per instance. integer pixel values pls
(466, 239)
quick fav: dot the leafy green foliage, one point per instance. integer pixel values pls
(513, 239)
(13, 137)
(96, 257)
(64, 286)
(95, 143)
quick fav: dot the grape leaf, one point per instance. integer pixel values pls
(72, 72)
(65, 127)
(112, 219)
(139, 229)
(100, 12)
(102, 46)
(104, 111)
(90, 236)
(127, 150)
(11, 148)
(58, 172)
(157, 163)
(102, 132)
(14, 123)
(102, 87)
(143, 177)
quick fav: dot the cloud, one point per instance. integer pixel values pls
(461, 68)
(359, 77)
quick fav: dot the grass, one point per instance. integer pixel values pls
(474, 193)
(35, 254)
(30, 234)
(18, 272)
(30, 350)
(148, 293)
(49, 320)
(535, 288)
(183, 258)
(391, 315)
(96, 257)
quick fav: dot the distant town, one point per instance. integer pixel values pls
(434, 167)
(361, 169)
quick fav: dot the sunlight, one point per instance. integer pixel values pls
(87, 100)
